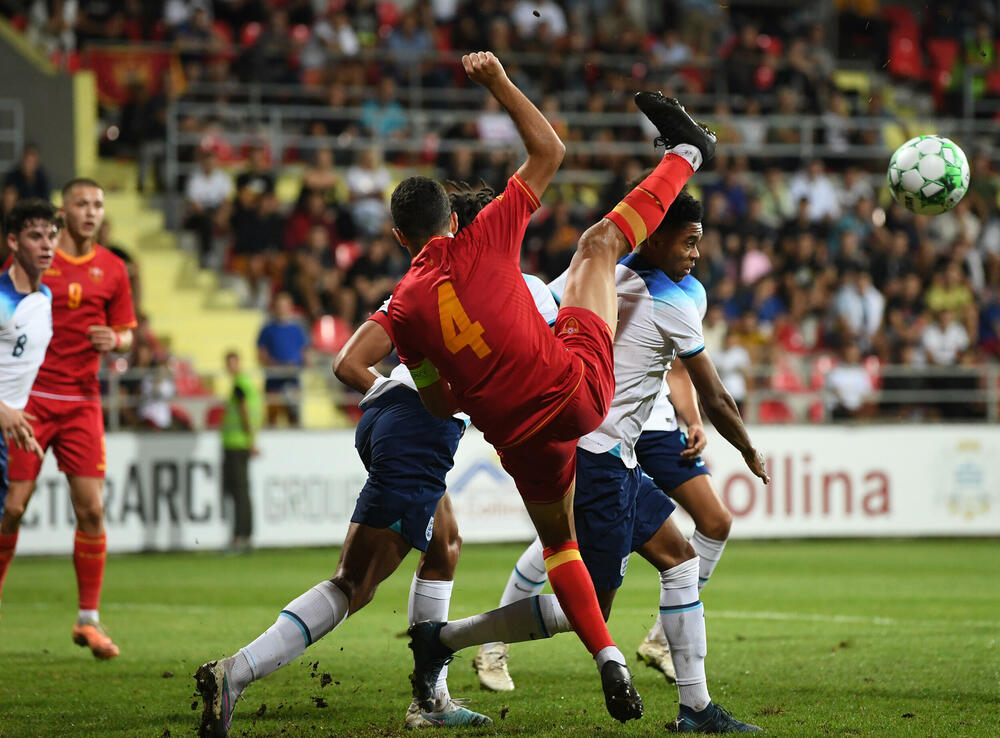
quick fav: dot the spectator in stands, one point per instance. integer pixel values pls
(383, 117)
(849, 386)
(335, 33)
(321, 176)
(207, 195)
(733, 364)
(816, 187)
(944, 339)
(374, 274)
(281, 350)
(29, 177)
(258, 177)
(312, 211)
(367, 181)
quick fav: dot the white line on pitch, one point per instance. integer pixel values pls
(843, 619)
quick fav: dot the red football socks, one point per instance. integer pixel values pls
(8, 542)
(574, 589)
(640, 213)
(89, 553)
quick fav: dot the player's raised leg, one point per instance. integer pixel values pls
(590, 279)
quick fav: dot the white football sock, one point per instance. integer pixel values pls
(304, 621)
(430, 600)
(609, 653)
(87, 616)
(527, 579)
(683, 618)
(688, 152)
(709, 552)
(656, 633)
(525, 620)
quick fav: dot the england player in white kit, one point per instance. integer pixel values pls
(25, 321)
(660, 307)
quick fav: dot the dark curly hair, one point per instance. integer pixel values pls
(467, 201)
(28, 211)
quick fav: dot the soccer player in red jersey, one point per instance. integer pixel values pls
(92, 314)
(467, 329)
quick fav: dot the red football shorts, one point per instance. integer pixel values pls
(543, 461)
(75, 431)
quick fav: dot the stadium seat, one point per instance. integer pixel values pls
(904, 56)
(943, 53)
(774, 411)
(250, 33)
(330, 333)
(213, 416)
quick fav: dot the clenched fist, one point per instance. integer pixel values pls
(483, 68)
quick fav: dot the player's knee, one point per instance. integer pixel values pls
(358, 593)
(89, 515)
(718, 527)
(600, 241)
(13, 511)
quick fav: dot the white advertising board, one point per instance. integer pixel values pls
(162, 490)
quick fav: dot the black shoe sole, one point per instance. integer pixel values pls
(620, 695)
(674, 123)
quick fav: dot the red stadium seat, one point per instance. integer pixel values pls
(213, 416)
(250, 33)
(943, 53)
(904, 56)
(330, 333)
(775, 411)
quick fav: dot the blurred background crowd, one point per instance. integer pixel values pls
(271, 133)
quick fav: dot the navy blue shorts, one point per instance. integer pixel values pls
(652, 508)
(604, 510)
(4, 482)
(407, 452)
(659, 455)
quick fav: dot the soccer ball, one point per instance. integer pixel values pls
(928, 175)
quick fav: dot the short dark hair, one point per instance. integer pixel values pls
(79, 182)
(684, 209)
(466, 201)
(27, 211)
(420, 208)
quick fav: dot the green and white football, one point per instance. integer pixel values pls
(928, 175)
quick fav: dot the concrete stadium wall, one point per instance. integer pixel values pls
(48, 100)
(162, 491)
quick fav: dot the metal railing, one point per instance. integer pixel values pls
(954, 393)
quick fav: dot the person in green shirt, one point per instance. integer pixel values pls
(240, 423)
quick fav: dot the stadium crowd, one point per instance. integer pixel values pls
(808, 264)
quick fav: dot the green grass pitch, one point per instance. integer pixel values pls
(878, 638)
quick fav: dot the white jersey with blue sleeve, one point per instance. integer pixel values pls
(25, 331)
(663, 416)
(658, 320)
(400, 375)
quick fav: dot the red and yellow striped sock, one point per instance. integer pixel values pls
(8, 542)
(574, 589)
(642, 210)
(89, 554)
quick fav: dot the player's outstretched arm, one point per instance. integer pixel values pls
(685, 402)
(722, 411)
(366, 348)
(545, 149)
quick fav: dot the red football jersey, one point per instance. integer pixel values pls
(89, 290)
(464, 305)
